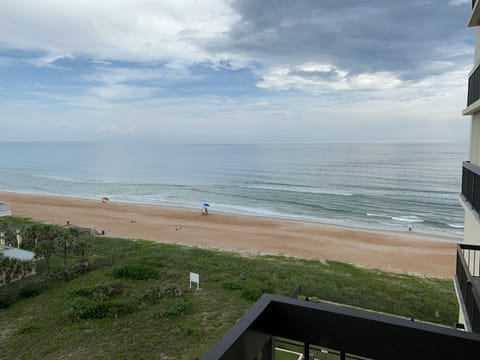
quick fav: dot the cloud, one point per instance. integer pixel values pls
(142, 30)
(402, 38)
(121, 92)
(114, 129)
(231, 69)
(321, 78)
(458, 2)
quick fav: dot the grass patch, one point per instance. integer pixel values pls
(81, 309)
(136, 272)
(99, 292)
(177, 309)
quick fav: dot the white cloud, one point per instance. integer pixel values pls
(114, 129)
(141, 30)
(458, 2)
(115, 75)
(119, 92)
(49, 60)
(321, 78)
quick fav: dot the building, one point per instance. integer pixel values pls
(467, 279)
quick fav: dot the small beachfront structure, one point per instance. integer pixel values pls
(21, 256)
(16, 254)
(467, 278)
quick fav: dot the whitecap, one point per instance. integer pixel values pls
(412, 219)
(377, 215)
(456, 226)
(296, 189)
(57, 178)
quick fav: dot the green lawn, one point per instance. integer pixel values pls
(112, 313)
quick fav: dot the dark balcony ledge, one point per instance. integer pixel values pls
(472, 167)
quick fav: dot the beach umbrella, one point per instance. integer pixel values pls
(206, 204)
(105, 198)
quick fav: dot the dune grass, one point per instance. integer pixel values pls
(137, 304)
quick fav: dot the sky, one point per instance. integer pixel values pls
(235, 71)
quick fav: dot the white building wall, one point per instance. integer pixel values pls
(475, 139)
(471, 231)
(477, 47)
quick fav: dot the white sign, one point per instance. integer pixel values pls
(195, 278)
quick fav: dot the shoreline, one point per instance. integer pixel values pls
(402, 252)
(426, 235)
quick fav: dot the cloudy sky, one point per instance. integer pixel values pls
(234, 70)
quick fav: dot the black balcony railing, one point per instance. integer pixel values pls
(348, 332)
(471, 185)
(468, 272)
(473, 87)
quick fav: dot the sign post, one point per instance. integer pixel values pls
(195, 278)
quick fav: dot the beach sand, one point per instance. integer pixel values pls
(391, 251)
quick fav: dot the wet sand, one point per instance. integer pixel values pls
(391, 251)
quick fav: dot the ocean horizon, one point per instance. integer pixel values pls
(382, 186)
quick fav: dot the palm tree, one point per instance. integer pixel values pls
(2, 268)
(25, 267)
(82, 248)
(46, 249)
(10, 269)
(37, 233)
(65, 240)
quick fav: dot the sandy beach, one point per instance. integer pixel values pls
(390, 251)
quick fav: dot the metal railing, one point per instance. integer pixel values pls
(471, 185)
(468, 272)
(473, 87)
(315, 352)
(345, 331)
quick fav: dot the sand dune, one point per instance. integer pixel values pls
(391, 251)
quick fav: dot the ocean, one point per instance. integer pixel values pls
(375, 185)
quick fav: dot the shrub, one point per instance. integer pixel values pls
(81, 268)
(158, 292)
(177, 309)
(27, 328)
(253, 292)
(28, 292)
(86, 309)
(232, 285)
(172, 292)
(191, 330)
(100, 292)
(5, 302)
(136, 272)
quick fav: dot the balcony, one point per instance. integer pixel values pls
(471, 185)
(467, 280)
(346, 333)
(475, 16)
(473, 92)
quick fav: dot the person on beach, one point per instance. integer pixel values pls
(410, 228)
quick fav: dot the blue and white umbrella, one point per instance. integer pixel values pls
(206, 205)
